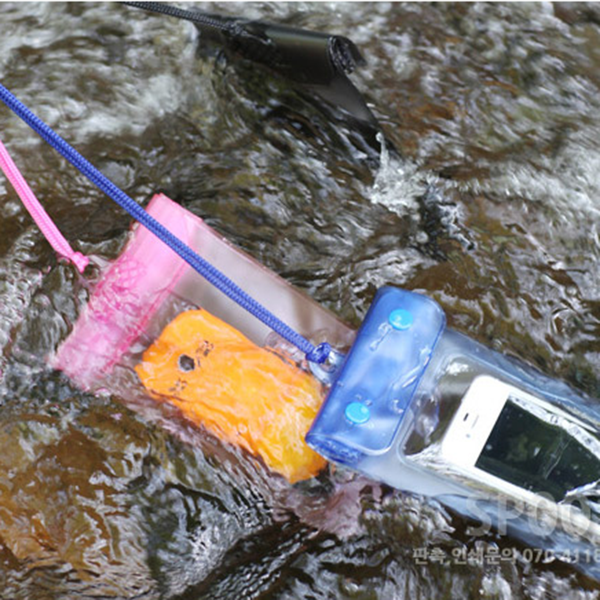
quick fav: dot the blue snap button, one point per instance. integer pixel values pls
(401, 319)
(357, 413)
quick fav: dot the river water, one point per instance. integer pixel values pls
(494, 107)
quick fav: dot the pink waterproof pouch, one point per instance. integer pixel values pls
(154, 325)
(148, 283)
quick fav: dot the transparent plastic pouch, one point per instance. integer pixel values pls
(428, 410)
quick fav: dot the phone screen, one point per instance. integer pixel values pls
(536, 455)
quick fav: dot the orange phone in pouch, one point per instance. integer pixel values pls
(244, 394)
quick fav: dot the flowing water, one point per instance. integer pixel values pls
(493, 210)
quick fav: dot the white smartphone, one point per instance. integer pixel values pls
(521, 445)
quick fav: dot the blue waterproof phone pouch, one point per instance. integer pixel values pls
(428, 410)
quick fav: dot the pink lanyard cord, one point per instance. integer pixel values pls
(36, 210)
